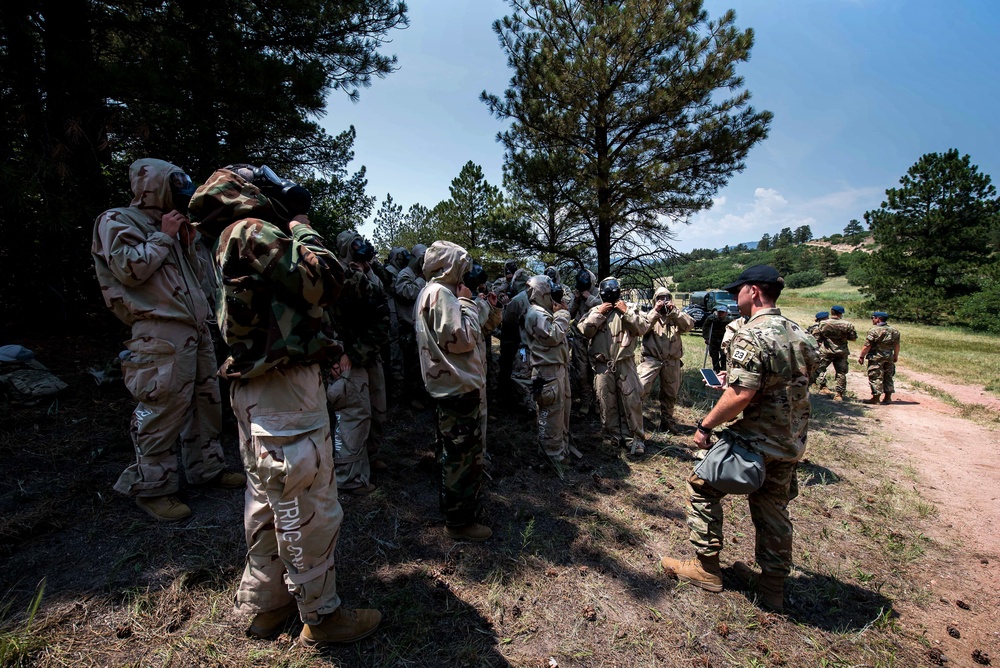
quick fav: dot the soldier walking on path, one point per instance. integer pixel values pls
(771, 360)
(882, 352)
(662, 355)
(833, 335)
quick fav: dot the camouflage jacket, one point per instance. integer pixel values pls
(732, 327)
(405, 291)
(547, 334)
(512, 327)
(143, 272)
(663, 339)
(613, 338)
(579, 306)
(449, 329)
(881, 341)
(361, 313)
(775, 357)
(276, 284)
(834, 334)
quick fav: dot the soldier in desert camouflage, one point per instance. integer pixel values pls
(581, 375)
(771, 360)
(359, 395)
(279, 279)
(148, 266)
(546, 325)
(663, 353)
(449, 326)
(833, 335)
(614, 331)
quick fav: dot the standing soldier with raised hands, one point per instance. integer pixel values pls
(663, 353)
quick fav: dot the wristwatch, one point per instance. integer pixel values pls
(703, 429)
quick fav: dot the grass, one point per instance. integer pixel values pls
(18, 639)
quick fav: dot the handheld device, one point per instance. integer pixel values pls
(711, 378)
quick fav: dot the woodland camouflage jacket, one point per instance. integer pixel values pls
(276, 284)
(362, 311)
(775, 357)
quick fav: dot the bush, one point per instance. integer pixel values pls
(836, 239)
(804, 279)
(857, 275)
(979, 310)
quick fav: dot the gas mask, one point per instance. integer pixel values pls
(362, 251)
(288, 198)
(611, 291)
(557, 290)
(583, 281)
(475, 277)
(181, 190)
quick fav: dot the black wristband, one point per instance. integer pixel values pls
(703, 429)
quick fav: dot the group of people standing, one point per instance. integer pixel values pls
(880, 352)
(307, 331)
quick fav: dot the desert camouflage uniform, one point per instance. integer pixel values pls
(449, 331)
(277, 286)
(775, 357)
(155, 284)
(833, 336)
(881, 341)
(548, 346)
(581, 375)
(362, 317)
(405, 290)
(662, 356)
(613, 340)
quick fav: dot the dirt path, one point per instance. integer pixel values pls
(958, 471)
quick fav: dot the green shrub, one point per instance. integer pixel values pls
(979, 310)
(804, 279)
(856, 275)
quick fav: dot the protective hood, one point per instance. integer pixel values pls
(661, 291)
(540, 291)
(417, 259)
(552, 273)
(150, 179)
(519, 282)
(446, 263)
(226, 197)
(344, 240)
(398, 257)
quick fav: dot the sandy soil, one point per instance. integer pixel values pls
(957, 470)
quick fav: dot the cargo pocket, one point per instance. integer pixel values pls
(148, 368)
(549, 393)
(290, 449)
(336, 393)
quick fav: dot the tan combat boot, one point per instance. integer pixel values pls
(873, 400)
(163, 508)
(888, 398)
(474, 533)
(839, 397)
(227, 480)
(702, 572)
(769, 589)
(266, 624)
(344, 625)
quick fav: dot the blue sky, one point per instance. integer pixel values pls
(860, 89)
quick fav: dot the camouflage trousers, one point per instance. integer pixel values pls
(669, 373)
(553, 406)
(521, 379)
(360, 427)
(292, 516)
(460, 457)
(619, 395)
(768, 509)
(170, 370)
(581, 375)
(505, 367)
(881, 371)
(840, 367)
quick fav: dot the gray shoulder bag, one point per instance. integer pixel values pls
(731, 467)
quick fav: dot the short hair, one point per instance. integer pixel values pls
(771, 291)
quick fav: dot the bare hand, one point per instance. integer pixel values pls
(463, 291)
(186, 233)
(660, 307)
(558, 306)
(861, 360)
(301, 219)
(341, 367)
(171, 222)
(504, 299)
(670, 307)
(621, 306)
(492, 299)
(702, 441)
(605, 308)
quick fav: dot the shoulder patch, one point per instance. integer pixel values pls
(740, 354)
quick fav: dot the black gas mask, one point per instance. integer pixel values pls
(288, 198)
(475, 278)
(509, 267)
(611, 291)
(557, 290)
(362, 251)
(181, 190)
(583, 281)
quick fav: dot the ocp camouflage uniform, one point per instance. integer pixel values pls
(833, 336)
(662, 356)
(153, 283)
(581, 375)
(775, 357)
(549, 349)
(493, 318)
(277, 285)
(613, 340)
(881, 341)
(449, 331)
(732, 327)
(362, 317)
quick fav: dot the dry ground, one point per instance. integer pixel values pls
(890, 550)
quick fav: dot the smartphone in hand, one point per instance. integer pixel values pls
(711, 378)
